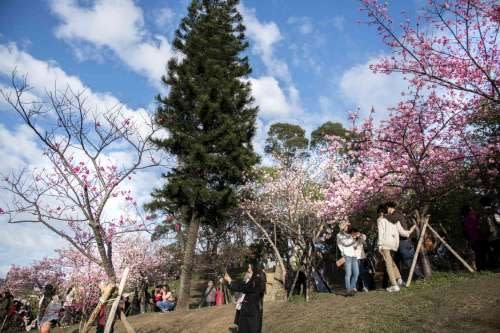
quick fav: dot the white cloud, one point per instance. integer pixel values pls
(20, 244)
(32, 241)
(270, 97)
(46, 75)
(19, 148)
(338, 23)
(275, 92)
(325, 104)
(361, 87)
(304, 24)
(265, 36)
(164, 18)
(119, 26)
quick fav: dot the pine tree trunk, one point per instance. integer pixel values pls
(187, 263)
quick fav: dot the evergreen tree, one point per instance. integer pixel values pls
(211, 122)
(286, 141)
(320, 134)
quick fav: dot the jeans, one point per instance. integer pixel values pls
(165, 305)
(406, 252)
(351, 272)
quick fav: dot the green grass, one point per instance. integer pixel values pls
(446, 303)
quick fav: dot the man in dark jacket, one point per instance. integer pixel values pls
(406, 250)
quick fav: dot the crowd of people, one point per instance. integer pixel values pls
(397, 248)
(483, 233)
(15, 312)
(19, 315)
(394, 244)
(54, 311)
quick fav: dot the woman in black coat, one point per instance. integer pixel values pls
(250, 315)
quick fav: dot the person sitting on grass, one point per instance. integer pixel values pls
(347, 246)
(167, 301)
(388, 243)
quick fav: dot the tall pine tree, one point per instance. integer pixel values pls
(211, 122)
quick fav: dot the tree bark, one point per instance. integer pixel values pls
(187, 263)
(142, 298)
(424, 259)
(425, 263)
(308, 280)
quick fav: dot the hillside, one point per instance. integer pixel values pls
(447, 303)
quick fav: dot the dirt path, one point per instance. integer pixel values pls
(447, 305)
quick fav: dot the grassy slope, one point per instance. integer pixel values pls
(448, 303)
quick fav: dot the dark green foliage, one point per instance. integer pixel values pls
(319, 135)
(208, 114)
(486, 123)
(285, 141)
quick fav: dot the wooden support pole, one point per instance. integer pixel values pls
(451, 250)
(125, 323)
(111, 315)
(106, 295)
(417, 251)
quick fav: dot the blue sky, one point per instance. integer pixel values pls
(310, 64)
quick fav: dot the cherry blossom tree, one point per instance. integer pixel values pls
(452, 44)
(288, 199)
(416, 156)
(21, 279)
(90, 154)
(449, 56)
(70, 269)
(452, 49)
(148, 263)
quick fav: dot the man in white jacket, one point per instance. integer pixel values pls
(388, 243)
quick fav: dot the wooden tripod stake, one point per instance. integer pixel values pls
(451, 250)
(111, 315)
(417, 251)
(419, 245)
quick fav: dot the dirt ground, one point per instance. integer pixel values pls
(445, 304)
